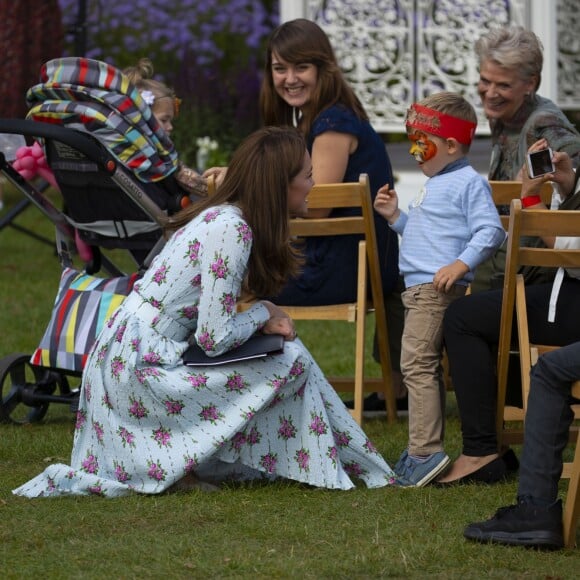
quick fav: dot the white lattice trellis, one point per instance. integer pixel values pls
(395, 52)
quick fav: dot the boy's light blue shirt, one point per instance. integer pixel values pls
(452, 218)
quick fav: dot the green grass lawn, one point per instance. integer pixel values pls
(280, 530)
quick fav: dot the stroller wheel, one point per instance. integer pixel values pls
(17, 379)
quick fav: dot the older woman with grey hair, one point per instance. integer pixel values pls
(510, 72)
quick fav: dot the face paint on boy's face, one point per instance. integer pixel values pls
(422, 148)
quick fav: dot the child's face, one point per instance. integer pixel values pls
(431, 152)
(164, 112)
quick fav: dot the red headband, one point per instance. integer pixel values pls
(440, 124)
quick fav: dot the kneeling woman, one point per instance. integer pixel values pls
(146, 421)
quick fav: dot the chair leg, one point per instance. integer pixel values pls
(572, 505)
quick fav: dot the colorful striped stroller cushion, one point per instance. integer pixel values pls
(93, 96)
(83, 304)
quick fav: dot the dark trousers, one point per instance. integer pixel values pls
(548, 420)
(471, 334)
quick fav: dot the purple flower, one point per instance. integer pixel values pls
(342, 438)
(155, 471)
(228, 302)
(287, 430)
(353, 468)
(127, 437)
(302, 458)
(173, 407)
(253, 437)
(162, 437)
(117, 367)
(268, 462)
(152, 358)
(317, 426)
(81, 419)
(369, 446)
(210, 413)
(90, 464)
(137, 409)
(98, 429)
(193, 251)
(197, 381)
(160, 275)
(219, 267)
(235, 382)
(238, 440)
(244, 233)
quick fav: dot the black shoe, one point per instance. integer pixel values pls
(511, 461)
(492, 472)
(523, 524)
(372, 404)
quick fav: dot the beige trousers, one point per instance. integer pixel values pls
(421, 351)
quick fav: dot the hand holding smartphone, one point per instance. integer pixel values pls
(539, 163)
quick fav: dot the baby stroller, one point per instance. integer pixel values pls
(115, 169)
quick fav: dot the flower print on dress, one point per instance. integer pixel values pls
(135, 342)
(117, 367)
(253, 437)
(96, 490)
(268, 462)
(162, 437)
(235, 383)
(190, 463)
(219, 267)
(205, 340)
(121, 473)
(342, 438)
(369, 447)
(303, 459)
(297, 369)
(197, 380)
(193, 252)
(210, 413)
(317, 425)
(249, 414)
(150, 372)
(99, 431)
(332, 454)
(189, 312)
(278, 398)
(90, 464)
(120, 332)
(287, 429)
(155, 471)
(354, 469)
(81, 419)
(101, 354)
(173, 407)
(152, 358)
(238, 441)
(228, 302)
(210, 215)
(160, 275)
(277, 382)
(196, 281)
(299, 394)
(127, 437)
(137, 408)
(244, 233)
(106, 401)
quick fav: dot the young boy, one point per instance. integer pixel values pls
(452, 226)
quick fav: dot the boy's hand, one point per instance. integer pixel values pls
(447, 276)
(387, 204)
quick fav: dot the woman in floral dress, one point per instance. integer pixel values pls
(146, 421)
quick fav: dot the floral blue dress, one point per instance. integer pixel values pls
(145, 420)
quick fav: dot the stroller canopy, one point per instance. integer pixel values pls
(93, 96)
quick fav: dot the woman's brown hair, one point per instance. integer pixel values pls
(303, 41)
(257, 181)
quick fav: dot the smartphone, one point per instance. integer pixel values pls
(540, 163)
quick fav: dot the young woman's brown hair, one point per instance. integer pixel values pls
(257, 181)
(303, 41)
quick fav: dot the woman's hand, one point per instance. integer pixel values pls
(279, 322)
(563, 173)
(218, 172)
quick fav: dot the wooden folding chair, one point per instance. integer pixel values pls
(541, 223)
(502, 193)
(358, 195)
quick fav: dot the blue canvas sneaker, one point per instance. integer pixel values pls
(413, 472)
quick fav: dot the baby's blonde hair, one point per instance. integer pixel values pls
(141, 75)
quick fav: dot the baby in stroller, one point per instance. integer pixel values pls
(117, 172)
